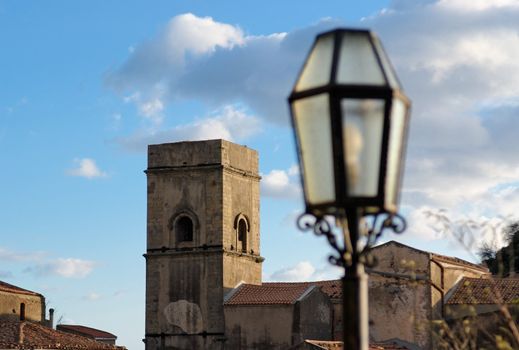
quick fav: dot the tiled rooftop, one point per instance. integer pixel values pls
(386, 346)
(280, 292)
(85, 331)
(332, 287)
(323, 344)
(28, 335)
(250, 294)
(338, 345)
(486, 291)
(6, 287)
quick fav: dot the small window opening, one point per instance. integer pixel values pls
(242, 234)
(22, 312)
(184, 229)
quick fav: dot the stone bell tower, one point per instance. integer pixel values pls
(202, 239)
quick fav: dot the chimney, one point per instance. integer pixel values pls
(51, 318)
(21, 335)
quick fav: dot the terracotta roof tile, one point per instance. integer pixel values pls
(280, 292)
(387, 346)
(325, 344)
(250, 294)
(85, 331)
(332, 287)
(6, 287)
(486, 291)
(338, 345)
(29, 335)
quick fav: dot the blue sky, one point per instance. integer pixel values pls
(85, 85)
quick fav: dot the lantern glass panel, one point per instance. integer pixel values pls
(395, 152)
(388, 68)
(358, 63)
(362, 122)
(312, 123)
(317, 69)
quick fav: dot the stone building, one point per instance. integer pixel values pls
(23, 325)
(476, 296)
(20, 304)
(34, 335)
(276, 315)
(203, 266)
(88, 332)
(202, 239)
(409, 288)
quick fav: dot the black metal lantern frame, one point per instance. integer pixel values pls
(350, 119)
(336, 91)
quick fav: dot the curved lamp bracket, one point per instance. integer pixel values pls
(372, 228)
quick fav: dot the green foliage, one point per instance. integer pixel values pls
(505, 261)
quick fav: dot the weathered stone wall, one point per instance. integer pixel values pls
(238, 267)
(185, 293)
(187, 191)
(337, 319)
(258, 327)
(413, 284)
(400, 294)
(444, 276)
(279, 326)
(312, 317)
(399, 308)
(241, 197)
(396, 258)
(213, 183)
(10, 304)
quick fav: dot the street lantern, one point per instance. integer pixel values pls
(350, 118)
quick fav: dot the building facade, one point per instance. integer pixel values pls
(408, 289)
(203, 266)
(202, 239)
(20, 304)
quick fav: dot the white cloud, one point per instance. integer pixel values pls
(86, 167)
(477, 5)
(185, 37)
(230, 123)
(63, 267)
(188, 33)
(92, 296)
(300, 272)
(11, 256)
(305, 271)
(457, 60)
(281, 183)
(150, 108)
(216, 63)
(73, 268)
(293, 170)
(151, 66)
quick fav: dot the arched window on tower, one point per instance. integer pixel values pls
(242, 235)
(184, 229)
(242, 229)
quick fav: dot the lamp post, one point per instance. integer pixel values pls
(350, 119)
